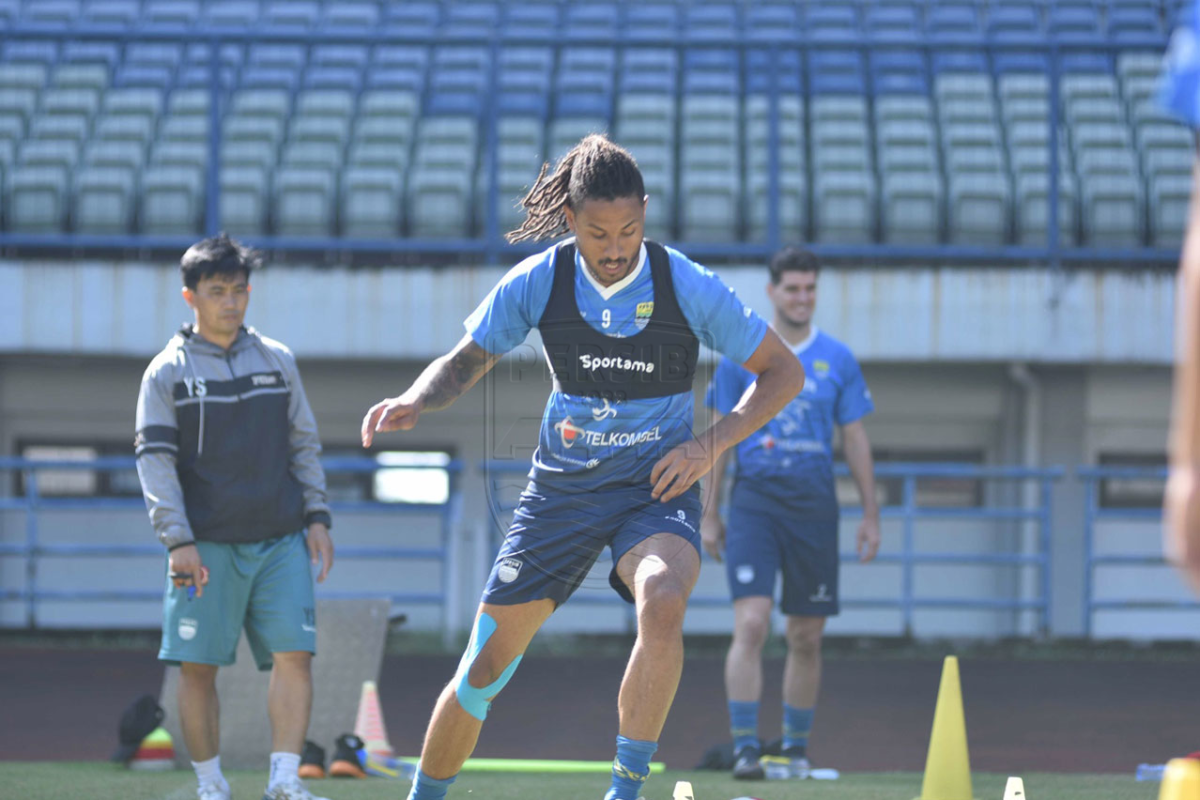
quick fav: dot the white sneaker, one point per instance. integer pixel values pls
(213, 791)
(293, 790)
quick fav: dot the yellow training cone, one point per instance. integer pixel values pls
(1181, 780)
(948, 767)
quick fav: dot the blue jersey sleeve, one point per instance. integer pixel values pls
(717, 316)
(854, 401)
(514, 306)
(727, 387)
(1180, 87)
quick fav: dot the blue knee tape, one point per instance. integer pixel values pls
(475, 701)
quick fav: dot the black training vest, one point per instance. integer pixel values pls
(657, 361)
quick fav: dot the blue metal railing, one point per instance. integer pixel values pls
(492, 248)
(33, 550)
(909, 556)
(1094, 514)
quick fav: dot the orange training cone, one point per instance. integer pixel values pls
(948, 767)
(369, 724)
(1181, 780)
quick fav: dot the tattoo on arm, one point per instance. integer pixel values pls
(449, 377)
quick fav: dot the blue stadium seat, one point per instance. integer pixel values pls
(292, 14)
(414, 19)
(470, 19)
(232, 14)
(709, 23)
(836, 83)
(443, 103)
(341, 78)
(1134, 24)
(407, 56)
(788, 75)
(772, 23)
(30, 52)
(109, 13)
(1082, 62)
(171, 14)
(1073, 24)
(277, 56)
(583, 105)
(405, 78)
(153, 54)
(1006, 62)
(959, 61)
(657, 21)
(92, 53)
(524, 81)
(269, 78)
(463, 58)
(831, 21)
(339, 55)
(55, 13)
(584, 21)
(714, 60)
(1009, 23)
(657, 82)
(523, 103)
(529, 19)
(588, 59)
(892, 23)
(710, 83)
(191, 77)
(135, 77)
(952, 22)
(346, 16)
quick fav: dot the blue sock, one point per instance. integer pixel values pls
(630, 768)
(427, 788)
(743, 723)
(797, 724)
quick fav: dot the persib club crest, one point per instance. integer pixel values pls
(510, 568)
(644, 311)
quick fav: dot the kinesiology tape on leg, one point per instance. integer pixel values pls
(475, 701)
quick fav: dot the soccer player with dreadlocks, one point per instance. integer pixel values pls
(621, 321)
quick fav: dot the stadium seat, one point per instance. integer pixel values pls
(771, 22)
(62, 154)
(911, 211)
(270, 103)
(132, 102)
(104, 200)
(304, 202)
(332, 130)
(651, 21)
(253, 129)
(171, 200)
(412, 18)
(178, 128)
(325, 156)
(292, 14)
(371, 203)
(525, 20)
(37, 199)
(1113, 213)
(235, 14)
(18, 102)
(1032, 203)
(660, 208)
(179, 154)
(979, 208)
(439, 202)
(512, 184)
(1169, 197)
(73, 102)
(350, 16)
(189, 102)
(179, 14)
(844, 207)
(20, 51)
(588, 20)
(793, 206)
(709, 205)
(85, 77)
(331, 103)
(384, 156)
(111, 13)
(245, 195)
(123, 155)
(254, 155)
(53, 13)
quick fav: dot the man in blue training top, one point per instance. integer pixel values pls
(621, 320)
(783, 515)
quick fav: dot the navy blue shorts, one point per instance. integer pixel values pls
(762, 542)
(555, 538)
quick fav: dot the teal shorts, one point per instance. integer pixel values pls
(265, 587)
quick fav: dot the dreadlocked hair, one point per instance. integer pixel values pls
(594, 169)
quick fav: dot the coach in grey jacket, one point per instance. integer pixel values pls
(227, 453)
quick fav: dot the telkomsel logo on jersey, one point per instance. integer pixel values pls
(572, 434)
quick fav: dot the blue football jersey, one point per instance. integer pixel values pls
(791, 457)
(588, 444)
(1180, 88)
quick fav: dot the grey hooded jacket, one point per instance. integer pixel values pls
(227, 447)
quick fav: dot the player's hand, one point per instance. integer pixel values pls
(868, 538)
(712, 536)
(187, 569)
(1181, 515)
(674, 473)
(320, 546)
(394, 414)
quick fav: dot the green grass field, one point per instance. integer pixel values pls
(58, 780)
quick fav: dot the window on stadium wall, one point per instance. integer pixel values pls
(931, 492)
(79, 482)
(1140, 492)
(404, 476)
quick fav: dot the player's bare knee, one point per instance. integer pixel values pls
(298, 662)
(664, 601)
(197, 675)
(804, 641)
(752, 632)
(486, 669)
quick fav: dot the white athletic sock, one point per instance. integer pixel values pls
(283, 769)
(209, 772)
